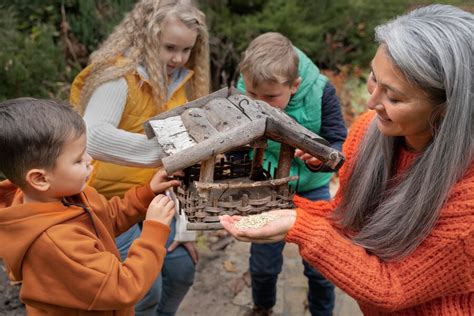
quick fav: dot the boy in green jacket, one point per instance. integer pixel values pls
(274, 71)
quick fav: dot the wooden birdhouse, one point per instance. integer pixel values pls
(205, 138)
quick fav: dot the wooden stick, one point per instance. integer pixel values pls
(257, 162)
(206, 175)
(242, 185)
(221, 143)
(287, 153)
(222, 93)
(204, 226)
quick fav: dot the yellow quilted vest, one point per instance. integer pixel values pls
(111, 179)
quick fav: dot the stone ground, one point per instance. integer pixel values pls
(231, 294)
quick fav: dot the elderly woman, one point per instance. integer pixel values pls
(399, 234)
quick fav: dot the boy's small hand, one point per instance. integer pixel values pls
(160, 182)
(308, 159)
(161, 209)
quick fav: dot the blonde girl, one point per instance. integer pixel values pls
(156, 59)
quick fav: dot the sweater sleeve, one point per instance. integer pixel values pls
(439, 267)
(122, 212)
(109, 143)
(68, 267)
(333, 128)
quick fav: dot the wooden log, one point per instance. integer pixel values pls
(222, 93)
(197, 124)
(287, 153)
(299, 137)
(219, 144)
(243, 185)
(204, 226)
(222, 243)
(199, 128)
(257, 162)
(213, 210)
(224, 115)
(172, 135)
(206, 175)
(252, 109)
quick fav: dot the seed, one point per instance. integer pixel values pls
(255, 221)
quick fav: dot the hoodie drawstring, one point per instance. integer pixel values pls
(67, 204)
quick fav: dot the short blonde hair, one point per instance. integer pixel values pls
(270, 57)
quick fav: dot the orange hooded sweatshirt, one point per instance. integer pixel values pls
(65, 255)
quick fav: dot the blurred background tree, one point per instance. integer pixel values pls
(45, 43)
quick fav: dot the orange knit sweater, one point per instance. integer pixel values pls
(436, 279)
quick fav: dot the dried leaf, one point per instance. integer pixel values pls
(229, 266)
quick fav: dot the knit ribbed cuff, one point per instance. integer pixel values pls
(156, 231)
(307, 228)
(145, 195)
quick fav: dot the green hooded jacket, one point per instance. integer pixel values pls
(305, 108)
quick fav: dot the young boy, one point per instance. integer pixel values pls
(274, 71)
(57, 233)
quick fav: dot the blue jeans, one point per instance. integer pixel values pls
(266, 261)
(169, 289)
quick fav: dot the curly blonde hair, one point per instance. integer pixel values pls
(138, 38)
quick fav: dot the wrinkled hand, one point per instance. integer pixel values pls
(273, 231)
(313, 162)
(190, 247)
(160, 182)
(161, 209)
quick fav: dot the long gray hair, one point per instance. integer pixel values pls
(433, 47)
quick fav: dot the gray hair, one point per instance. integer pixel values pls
(433, 47)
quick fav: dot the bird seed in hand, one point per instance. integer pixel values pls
(255, 221)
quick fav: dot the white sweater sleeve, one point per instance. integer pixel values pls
(106, 141)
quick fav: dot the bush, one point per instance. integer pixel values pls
(31, 64)
(334, 33)
(45, 43)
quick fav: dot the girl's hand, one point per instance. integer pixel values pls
(273, 231)
(160, 182)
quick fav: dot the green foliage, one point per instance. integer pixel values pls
(31, 63)
(332, 32)
(46, 42)
(92, 21)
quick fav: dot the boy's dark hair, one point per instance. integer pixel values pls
(32, 134)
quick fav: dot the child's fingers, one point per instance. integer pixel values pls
(299, 153)
(179, 173)
(170, 206)
(160, 200)
(161, 186)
